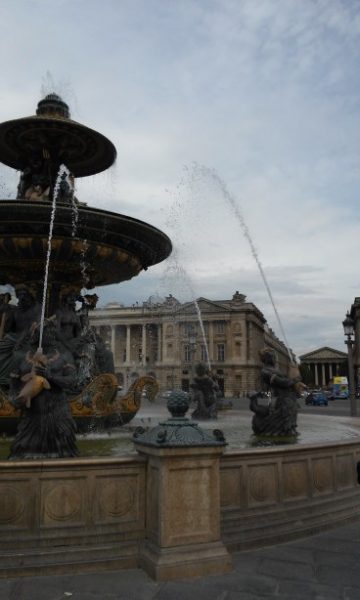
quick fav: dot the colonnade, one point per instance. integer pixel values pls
(142, 340)
(323, 372)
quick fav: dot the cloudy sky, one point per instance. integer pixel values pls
(226, 114)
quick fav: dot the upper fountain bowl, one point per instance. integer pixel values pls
(83, 150)
(89, 247)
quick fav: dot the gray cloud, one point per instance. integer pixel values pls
(265, 92)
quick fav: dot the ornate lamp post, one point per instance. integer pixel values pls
(348, 325)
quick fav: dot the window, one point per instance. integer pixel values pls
(219, 326)
(190, 329)
(187, 353)
(169, 330)
(169, 350)
(238, 348)
(221, 352)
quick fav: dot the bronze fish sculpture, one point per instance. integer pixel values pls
(34, 384)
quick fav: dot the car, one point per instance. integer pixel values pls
(316, 399)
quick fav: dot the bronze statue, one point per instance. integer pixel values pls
(205, 391)
(38, 384)
(17, 323)
(5, 310)
(68, 321)
(278, 416)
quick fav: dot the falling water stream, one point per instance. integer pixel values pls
(63, 170)
(184, 276)
(83, 264)
(232, 203)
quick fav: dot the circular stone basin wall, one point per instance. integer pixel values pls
(91, 513)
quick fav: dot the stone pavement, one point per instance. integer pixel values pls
(321, 567)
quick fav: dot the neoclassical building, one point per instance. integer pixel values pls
(324, 363)
(167, 338)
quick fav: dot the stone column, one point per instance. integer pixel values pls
(323, 378)
(128, 341)
(163, 343)
(113, 339)
(159, 344)
(330, 370)
(316, 375)
(183, 514)
(211, 341)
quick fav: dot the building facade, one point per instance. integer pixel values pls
(323, 364)
(168, 338)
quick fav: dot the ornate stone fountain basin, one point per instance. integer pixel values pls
(105, 248)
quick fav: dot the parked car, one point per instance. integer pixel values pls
(317, 399)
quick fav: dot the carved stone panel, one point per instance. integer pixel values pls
(189, 516)
(345, 471)
(62, 502)
(230, 487)
(116, 499)
(12, 503)
(295, 480)
(323, 475)
(263, 484)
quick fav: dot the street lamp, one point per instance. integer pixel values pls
(348, 325)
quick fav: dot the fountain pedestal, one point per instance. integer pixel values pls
(183, 499)
(183, 514)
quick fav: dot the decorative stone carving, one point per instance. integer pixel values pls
(262, 485)
(323, 475)
(345, 471)
(295, 476)
(63, 502)
(12, 504)
(116, 498)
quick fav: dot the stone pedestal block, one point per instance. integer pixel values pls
(183, 513)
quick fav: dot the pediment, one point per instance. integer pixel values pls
(323, 354)
(205, 306)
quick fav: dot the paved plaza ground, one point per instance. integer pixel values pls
(322, 567)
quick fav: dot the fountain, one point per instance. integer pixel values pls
(47, 230)
(177, 505)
